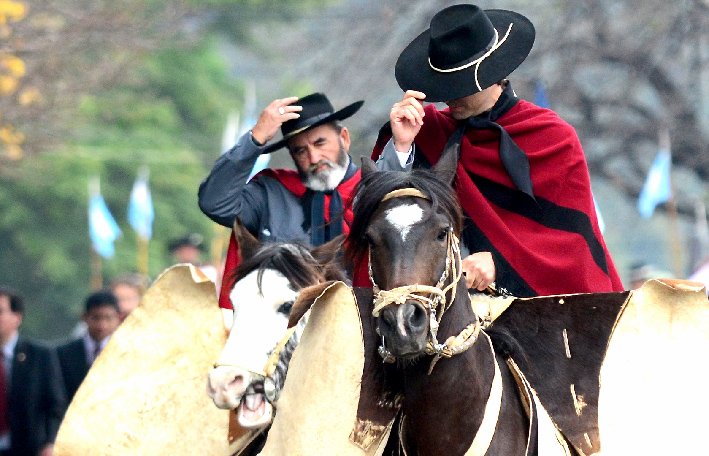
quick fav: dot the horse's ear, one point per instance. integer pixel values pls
(447, 165)
(328, 256)
(305, 300)
(248, 244)
(368, 166)
(327, 252)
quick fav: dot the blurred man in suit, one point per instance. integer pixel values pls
(101, 316)
(32, 401)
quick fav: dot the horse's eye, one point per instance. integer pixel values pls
(442, 235)
(285, 308)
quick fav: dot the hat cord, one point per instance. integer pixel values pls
(477, 61)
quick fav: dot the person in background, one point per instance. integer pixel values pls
(128, 290)
(522, 180)
(307, 205)
(32, 400)
(189, 249)
(101, 315)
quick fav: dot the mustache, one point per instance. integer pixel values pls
(314, 167)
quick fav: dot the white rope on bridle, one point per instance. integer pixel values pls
(477, 61)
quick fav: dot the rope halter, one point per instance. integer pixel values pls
(436, 297)
(264, 376)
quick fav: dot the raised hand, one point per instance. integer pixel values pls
(406, 119)
(273, 116)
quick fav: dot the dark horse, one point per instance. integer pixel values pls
(457, 393)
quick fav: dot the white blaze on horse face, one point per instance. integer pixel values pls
(404, 217)
(257, 326)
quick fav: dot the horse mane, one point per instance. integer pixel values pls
(303, 267)
(292, 260)
(374, 186)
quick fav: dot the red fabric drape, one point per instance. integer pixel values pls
(549, 260)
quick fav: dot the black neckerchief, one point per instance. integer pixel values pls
(314, 211)
(513, 158)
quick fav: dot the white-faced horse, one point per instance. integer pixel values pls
(251, 369)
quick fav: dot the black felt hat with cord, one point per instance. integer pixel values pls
(465, 50)
(317, 110)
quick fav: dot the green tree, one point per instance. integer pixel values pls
(168, 115)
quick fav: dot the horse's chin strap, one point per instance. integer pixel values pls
(454, 344)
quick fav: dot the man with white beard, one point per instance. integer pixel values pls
(283, 205)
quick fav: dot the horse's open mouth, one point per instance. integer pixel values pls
(254, 410)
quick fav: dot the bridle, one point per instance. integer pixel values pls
(382, 298)
(264, 376)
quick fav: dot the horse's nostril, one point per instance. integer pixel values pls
(418, 317)
(415, 316)
(236, 382)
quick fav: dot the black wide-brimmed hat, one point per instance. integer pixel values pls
(317, 110)
(465, 50)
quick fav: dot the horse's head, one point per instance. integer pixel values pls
(251, 369)
(407, 226)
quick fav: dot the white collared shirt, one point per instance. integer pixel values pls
(90, 346)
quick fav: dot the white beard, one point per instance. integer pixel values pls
(327, 179)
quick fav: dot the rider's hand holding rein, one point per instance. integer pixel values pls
(479, 269)
(272, 117)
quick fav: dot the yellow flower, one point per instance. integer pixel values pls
(13, 65)
(9, 137)
(13, 152)
(11, 11)
(29, 96)
(8, 85)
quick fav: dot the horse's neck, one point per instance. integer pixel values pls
(459, 315)
(444, 409)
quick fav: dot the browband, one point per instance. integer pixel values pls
(405, 192)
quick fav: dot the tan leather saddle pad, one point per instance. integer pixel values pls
(145, 394)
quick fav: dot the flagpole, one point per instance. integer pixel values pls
(96, 271)
(675, 242)
(95, 260)
(672, 213)
(142, 256)
(140, 217)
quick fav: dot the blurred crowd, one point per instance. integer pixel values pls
(39, 380)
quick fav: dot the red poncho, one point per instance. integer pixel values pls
(552, 247)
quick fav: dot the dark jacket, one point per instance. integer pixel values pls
(37, 401)
(74, 365)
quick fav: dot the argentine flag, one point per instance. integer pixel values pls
(140, 206)
(657, 188)
(540, 95)
(103, 228)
